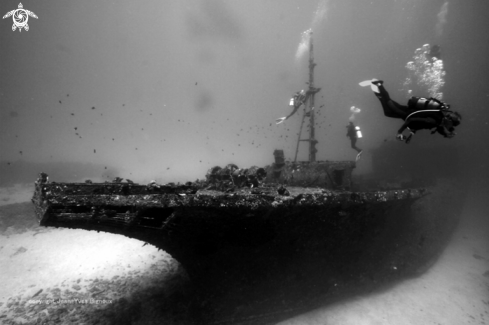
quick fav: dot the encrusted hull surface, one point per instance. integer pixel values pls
(257, 255)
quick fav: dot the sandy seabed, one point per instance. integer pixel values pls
(70, 276)
(64, 276)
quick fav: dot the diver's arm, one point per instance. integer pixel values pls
(404, 126)
(446, 133)
(408, 122)
(419, 123)
(442, 131)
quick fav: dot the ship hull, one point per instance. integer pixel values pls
(256, 256)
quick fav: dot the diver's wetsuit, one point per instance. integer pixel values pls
(414, 118)
(351, 133)
(299, 100)
(425, 120)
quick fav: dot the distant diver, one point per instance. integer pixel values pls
(420, 113)
(297, 101)
(353, 132)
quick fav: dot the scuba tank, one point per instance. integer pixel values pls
(295, 99)
(359, 133)
(421, 104)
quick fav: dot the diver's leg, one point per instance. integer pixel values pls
(354, 145)
(390, 107)
(395, 109)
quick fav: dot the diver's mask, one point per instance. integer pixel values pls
(455, 117)
(448, 124)
(451, 120)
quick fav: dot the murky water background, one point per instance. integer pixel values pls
(165, 90)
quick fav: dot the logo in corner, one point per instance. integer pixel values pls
(20, 17)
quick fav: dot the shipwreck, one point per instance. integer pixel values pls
(264, 243)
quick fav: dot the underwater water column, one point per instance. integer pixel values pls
(425, 74)
(317, 18)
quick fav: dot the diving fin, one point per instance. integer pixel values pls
(280, 120)
(358, 156)
(366, 83)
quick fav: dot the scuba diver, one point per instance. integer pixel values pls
(353, 132)
(420, 113)
(297, 101)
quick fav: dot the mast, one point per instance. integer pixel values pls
(311, 92)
